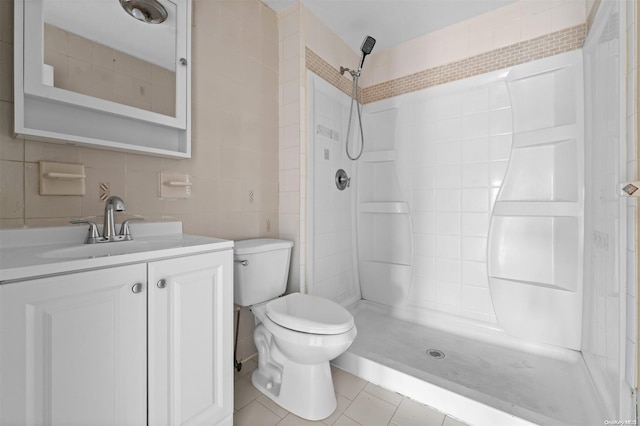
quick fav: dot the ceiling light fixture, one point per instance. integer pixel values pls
(149, 11)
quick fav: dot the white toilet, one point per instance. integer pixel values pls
(296, 335)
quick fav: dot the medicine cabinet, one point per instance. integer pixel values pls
(87, 73)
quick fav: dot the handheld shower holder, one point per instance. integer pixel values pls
(366, 48)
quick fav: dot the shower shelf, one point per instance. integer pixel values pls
(545, 136)
(536, 208)
(382, 262)
(379, 156)
(507, 280)
(535, 241)
(393, 207)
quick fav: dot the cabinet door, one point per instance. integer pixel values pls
(73, 349)
(190, 340)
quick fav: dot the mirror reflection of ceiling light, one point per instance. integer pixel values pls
(149, 11)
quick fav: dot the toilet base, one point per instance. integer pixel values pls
(305, 390)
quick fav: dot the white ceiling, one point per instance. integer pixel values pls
(390, 22)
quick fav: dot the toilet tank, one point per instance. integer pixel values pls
(260, 270)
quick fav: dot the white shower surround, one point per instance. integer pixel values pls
(434, 165)
(331, 261)
(440, 156)
(602, 331)
(609, 330)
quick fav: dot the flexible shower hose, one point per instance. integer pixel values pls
(354, 98)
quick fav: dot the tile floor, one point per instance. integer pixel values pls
(359, 403)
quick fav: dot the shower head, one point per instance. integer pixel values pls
(366, 48)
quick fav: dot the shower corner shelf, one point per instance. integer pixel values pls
(544, 136)
(388, 207)
(379, 156)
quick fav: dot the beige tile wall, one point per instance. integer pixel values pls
(292, 180)
(84, 66)
(525, 51)
(317, 65)
(234, 141)
(517, 22)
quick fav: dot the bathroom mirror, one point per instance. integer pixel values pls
(96, 49)
(127, 80)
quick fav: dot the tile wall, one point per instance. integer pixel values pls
(330, 241)
(517, 22)
(84, 66)
(540, 47)
(292, 187)
(234, 140)
(461, 142)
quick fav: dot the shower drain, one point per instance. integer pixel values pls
(435, 353)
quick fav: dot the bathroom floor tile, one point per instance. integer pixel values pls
(347, 384)
(369, 405)
(370, 410)
(243, 393)
(346, 421)
(255, 414)
(343, 403)
(275, 408)
(411, 413)
(450, 421)
(293, 420)
(384, 394)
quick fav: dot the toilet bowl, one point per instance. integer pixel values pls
(293, 362)
(296, 335)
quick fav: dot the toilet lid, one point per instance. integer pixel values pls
(309, 314)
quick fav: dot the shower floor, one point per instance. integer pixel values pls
(484, 382)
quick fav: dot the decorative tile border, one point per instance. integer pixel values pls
(519, 53)
(537, 48)
(320, 67)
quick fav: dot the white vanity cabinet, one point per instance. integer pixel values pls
(146, 343)
(190, 340)
(73, 349)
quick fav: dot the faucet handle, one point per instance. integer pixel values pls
(124, 228)
(92, 236)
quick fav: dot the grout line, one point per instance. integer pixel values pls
(281, 418)
(395, 411)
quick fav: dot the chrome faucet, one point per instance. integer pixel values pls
(113, 204)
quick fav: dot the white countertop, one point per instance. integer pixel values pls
(35, 252)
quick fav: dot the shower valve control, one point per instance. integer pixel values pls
(342, 180)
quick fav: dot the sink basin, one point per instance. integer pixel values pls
(108, 249)
(33, 252)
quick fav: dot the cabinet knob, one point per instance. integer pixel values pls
(137, 288)
(162, 283)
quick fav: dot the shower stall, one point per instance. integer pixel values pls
(481, 243)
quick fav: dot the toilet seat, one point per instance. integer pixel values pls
(309, 314)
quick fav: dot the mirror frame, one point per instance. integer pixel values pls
(57, 115)
(34, 59)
